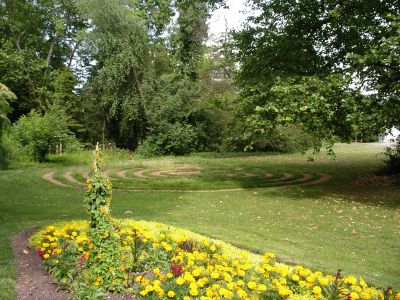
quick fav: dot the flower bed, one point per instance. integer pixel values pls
(159, 261)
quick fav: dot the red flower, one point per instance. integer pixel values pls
(348, 297)
(83, 259)
(39, 252)
(176, 270)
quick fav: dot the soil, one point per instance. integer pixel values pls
(33, 282)
(373, 180)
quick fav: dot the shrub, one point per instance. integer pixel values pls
(393, 157)
(41, 135)
(5, 97)
(176, 139)
(286, 139)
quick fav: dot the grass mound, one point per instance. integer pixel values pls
(164, 262)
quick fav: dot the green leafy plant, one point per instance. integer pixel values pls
(393, 157)
(103, 265)
(41, 135)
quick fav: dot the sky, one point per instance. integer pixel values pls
(231, 17)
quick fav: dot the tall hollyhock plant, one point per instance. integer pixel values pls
(104, 266)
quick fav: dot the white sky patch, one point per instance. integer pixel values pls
(223, 20)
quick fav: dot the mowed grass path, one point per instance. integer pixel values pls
(336, 224)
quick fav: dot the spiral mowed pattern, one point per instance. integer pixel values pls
(189, 178)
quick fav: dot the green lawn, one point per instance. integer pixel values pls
(336, 224)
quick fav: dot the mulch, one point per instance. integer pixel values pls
(33, 282)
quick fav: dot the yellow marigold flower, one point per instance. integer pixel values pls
(303, 283)
(45, 245)
(251, 285)
(241, 293)
(269, 255)
(317, 291)
(90, 185)
(356, 288)
(225, 293)
(363, 283)
(214, 275)
(180, 281)
(397, 297)
(240, 283)
(310, 279)
(186, 298)
(103, 211)
(74, 234)
(171, 294)
(212, 248)
(262, 287)
(227, 277)
(354, 296)
(295, 277)
(350, 280)
(231, 286)
(194, 292)
(365, 296)
(46, 256)
(323, 281)
(283, 291)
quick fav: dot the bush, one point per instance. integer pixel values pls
(6, 96)
(4, 158)
(41, 135)
(285, 139)
(176, 139)
(393, 157)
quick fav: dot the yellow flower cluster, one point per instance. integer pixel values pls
(202, 268)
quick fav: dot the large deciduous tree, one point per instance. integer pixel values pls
(327, 66)
(37, 39)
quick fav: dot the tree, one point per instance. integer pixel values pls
(297, 65)
(37, 38)
(6, 96)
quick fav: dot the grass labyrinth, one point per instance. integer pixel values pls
(185, 177)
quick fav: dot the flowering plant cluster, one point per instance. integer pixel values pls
(102, 262)
(165, 262)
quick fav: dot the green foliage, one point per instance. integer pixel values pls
(6, 96)
(41, 135)
(393, 157)
(103, 266)
(177, 121)
(283, 138)
(310, 63)
(38, 39)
